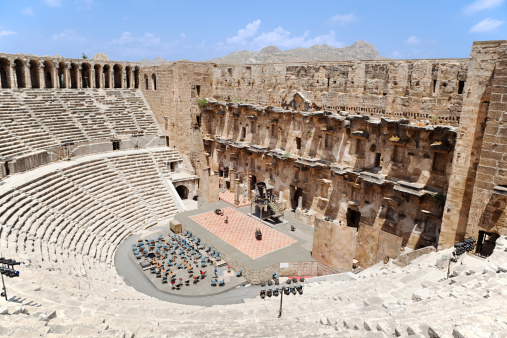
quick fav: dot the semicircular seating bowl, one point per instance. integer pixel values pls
(75, 214)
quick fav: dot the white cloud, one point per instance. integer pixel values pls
(6, 32)
(146, 39)
(396, 54)
(281, 38)
(413, 40)
(53, 3)
(251, 38)
(343, 19)
(28, 11)
(480, 5)
(243, 34)
(486, 25)
(69, 35)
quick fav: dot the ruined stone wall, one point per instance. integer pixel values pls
(414, 89)
(470, 190)
(173, 91)
(488, 210)
(393, 173)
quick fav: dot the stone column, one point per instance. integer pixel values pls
(79, 77)
(42, 76)
(92, 77)
(54, 77)
(236, 191)
(111, 77)
(14, 82)
(101, 84)
(66, 76)
(249, 186)
(300, 202)
(28, 77)
(123, 79)
(232, 176)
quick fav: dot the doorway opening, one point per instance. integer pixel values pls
(295, 193)
(353, 217)
(116, 144)
(7, 170)
(182, 192)
(486, 243)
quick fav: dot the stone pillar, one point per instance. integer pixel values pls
(57, 78)
(280, 196)
(123, 78)
(54, 76)
(14, 82)
(300, 202)
(66, 76)
(79, 76)
(236, 191)
(28, 77)
(111, 77)
(42, 76)
(92, 77)
(101, 84)
(249, 186)
(232, 176)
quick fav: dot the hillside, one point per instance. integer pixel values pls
(360, 50)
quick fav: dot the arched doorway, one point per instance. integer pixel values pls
(154, 80)
(73, 75)
(117, 69)
(243, 134)
(136, 78)
(4, 73)
(61, 74)
(34, 74)
(182, 192)
(48, 73)
(20, 73)
(97, 76)
(86, 75)
(146, 81)
(128, 75)
(106, 76)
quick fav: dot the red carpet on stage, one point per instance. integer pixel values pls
(240, 232)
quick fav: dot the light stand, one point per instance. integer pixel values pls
(7, 269)
(466, 245)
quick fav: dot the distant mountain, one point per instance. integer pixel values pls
(360, 50)
(156, 61)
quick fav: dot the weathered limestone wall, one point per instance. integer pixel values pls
(488, 210)
(414, 89)
(482, 76)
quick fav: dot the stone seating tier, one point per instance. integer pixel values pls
(76, 211)
(385, 300)
(40, 119)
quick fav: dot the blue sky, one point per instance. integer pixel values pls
(200, 30)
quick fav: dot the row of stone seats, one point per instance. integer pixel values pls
(40, 119)
(383, 301)
(76, 214)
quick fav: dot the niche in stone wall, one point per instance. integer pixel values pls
(440, 162)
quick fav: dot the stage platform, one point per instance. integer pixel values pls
(281, 250)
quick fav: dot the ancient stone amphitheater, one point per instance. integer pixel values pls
(388, 161)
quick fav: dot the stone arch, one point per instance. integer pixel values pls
(49, 68)
(73, 75)
(117, 69)
(183, 191)
(128, 76)
(62, 79)
(4, 73)
(34, 73)
(106, 79)
(86, 75)
(98, 71)
(136, 78)
(154, 81)
(20, 73)
(146, 81)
